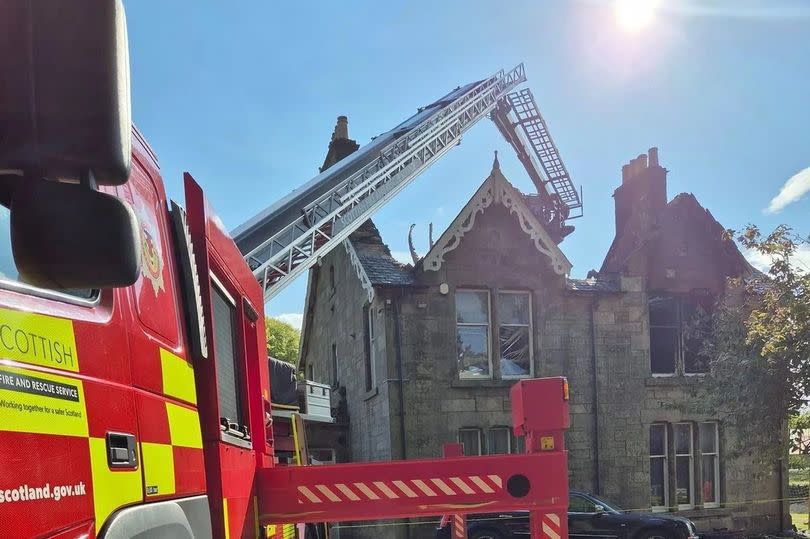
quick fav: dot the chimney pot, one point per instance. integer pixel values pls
(642, 161)
(653, 154)
(626, 172)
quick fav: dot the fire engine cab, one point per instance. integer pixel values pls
(134, 382)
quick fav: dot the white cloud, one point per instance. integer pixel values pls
(402, 256)
(800, 260)
(794, 189)
(296, 320)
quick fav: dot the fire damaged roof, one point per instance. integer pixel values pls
(596, 282)
(375, 257)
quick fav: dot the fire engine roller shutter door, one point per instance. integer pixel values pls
(225, 352)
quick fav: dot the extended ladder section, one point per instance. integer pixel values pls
(332, 205)
(533, 144)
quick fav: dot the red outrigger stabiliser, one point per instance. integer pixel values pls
(536, 481)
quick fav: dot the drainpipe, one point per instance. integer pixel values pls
(597, 464)
(401, 381)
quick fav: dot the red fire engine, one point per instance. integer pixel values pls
(134, 382)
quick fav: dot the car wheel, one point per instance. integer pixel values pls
(655, 534)
(486, 534)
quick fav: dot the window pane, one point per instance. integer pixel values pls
(471, 438)
(578, 504)
(498, 442)
(693, 360)
(697, 329)
(683, 438)
(708, 437)
(514, 341)
(513, 308)
(682, 481)
(473, 350)
(663, 311)
(657, 484)
(472, 307)
(226, 357)
(709, 479)
(8, 269)
(657, 440)
(663, 347)
(520, 445)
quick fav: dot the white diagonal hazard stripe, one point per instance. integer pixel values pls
(385, 490)
(480, 483)
(553, 517)
(346, 491)
(406, 490)
(311, 496)
(550, 532)
(366, 491)
(496, 479)
(444, 487)
(328, 493)
(465, 488)
(423, 487)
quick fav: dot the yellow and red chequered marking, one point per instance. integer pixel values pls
(551, 526)
(400, 489)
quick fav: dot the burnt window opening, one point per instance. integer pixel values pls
(679, 327)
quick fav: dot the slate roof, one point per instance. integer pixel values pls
(375, 256)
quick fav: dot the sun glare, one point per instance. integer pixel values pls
(635, 15)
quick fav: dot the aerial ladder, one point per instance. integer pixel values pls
(289, 237)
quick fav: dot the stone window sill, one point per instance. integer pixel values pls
(482, 383)
(706, 512)
(673, 381)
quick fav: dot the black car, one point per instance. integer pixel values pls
(589, 517)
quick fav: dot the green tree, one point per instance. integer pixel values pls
(282, 340)
(759, 349)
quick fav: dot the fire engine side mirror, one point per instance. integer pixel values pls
(70, 236)
(64, 89)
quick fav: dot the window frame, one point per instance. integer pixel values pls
(665, 458)
(691, 466)
(530, 327)
(369, 355)
(239, 359)
(680, 300)
(492, 431)
(716, 455)
(676, 325)
(480, 440)
(487, 325)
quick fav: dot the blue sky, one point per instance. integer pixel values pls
(245, 95)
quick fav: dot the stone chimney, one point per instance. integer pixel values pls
(341, 145)
(341, 129)
(643, 191)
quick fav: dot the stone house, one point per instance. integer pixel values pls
(422, 355)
